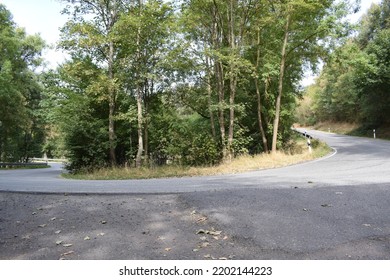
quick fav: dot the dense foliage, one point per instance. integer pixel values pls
(192, 82)
(354, 85)
(22, 127)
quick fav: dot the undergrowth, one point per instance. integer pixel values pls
(292, 155)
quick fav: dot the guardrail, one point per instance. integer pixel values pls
(307, 136)
(48, 160)
(303, 133)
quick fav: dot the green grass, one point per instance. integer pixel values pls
(297, 153)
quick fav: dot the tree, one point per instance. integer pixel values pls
(353, 85)
(89, 33)
(144, 33)
(21, 125)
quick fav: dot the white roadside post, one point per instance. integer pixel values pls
(374, 134)
(309, 144)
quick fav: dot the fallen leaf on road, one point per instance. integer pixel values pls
(326, 205)
(53, 219)
(87, 238)
(215, 233)
(168, 249)
(103, 222)
(367, 225)
(57, 232)
(42, 226)
(201, 220)
(33, 213)
(68, 245)
(59, 242)
(208, 256)
(67, 253)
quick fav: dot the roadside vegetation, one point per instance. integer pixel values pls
(353, 129)
(156, 88)
(352, 93)
(296, 153)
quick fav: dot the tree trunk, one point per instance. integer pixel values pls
(280, 86)
(209, 95)
(219, 77)
(138, 159)
(221, 107)
(260, 119)
(233, 82)
(112, 101)
(259, 105)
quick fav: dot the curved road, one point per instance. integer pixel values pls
(333, 208)
(356, 161)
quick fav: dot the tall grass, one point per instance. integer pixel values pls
(240, 164)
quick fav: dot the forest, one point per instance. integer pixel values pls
(354, 84)
(191, 82)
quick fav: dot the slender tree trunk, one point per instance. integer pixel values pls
(260, 119)
(221, 109)
(233, 81)
(112, 101)
(259, 105)
(146, 132)
(209, 96)
(138, 160)
(280, 86)
(219, 77)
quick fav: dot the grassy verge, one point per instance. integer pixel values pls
(353, 129)
(339, 128)
(299, 153)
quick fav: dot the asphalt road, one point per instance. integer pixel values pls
(356, 161)
(333, 208)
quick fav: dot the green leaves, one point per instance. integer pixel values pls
(354, 84)
(21, 122)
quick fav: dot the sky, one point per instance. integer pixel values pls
(44, 17)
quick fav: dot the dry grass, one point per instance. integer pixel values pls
(337, 127)
(240, 164)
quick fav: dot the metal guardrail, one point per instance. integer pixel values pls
(307, 136)
(48, 160)
(304, 133)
